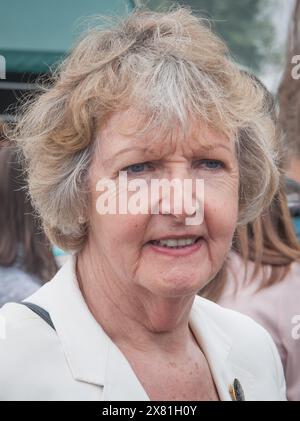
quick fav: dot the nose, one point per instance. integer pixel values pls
(181, 195)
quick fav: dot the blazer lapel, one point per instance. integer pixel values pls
(216, 346)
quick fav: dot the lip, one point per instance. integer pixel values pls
(177, 252)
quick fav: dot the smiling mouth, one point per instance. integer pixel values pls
(172, 243)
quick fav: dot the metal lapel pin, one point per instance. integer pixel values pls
(236, 391)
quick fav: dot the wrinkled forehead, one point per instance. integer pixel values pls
(133, 129)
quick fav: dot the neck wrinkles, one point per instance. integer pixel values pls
(133, 317)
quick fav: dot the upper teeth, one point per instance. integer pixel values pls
(171, 242)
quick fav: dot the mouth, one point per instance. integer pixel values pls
(176, 246)
(176, 243)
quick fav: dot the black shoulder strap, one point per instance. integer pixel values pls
(40, 312)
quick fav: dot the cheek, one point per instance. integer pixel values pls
(119, 233)
(116, 231)
(129, 229)
(221, 210)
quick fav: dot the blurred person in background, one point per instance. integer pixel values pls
(289, 116)
(292, 190)
(26, 260)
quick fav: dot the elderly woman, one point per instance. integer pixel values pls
(155, 97)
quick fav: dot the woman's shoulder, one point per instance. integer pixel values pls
(251, 346)
(244, 333)
(24, 347)
(230, 321)
(32, 360)
(21, 329)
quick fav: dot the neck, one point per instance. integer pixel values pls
(132, 316)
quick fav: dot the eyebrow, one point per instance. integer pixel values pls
(144, 149)
(216, 146)
(128, 149)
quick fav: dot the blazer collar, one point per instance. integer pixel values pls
(215, 345)
(218, 350)
(94, 358)
(91, 355)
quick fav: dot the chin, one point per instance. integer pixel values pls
(177, 287)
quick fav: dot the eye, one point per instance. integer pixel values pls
(211, 164)
(138, 168)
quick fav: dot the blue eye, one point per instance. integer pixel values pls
(212, 164)
(137, 168)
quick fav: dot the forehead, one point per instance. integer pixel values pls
(122, 133)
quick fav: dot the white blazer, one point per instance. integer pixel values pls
(79, 361)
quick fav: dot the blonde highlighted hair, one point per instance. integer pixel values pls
(171, 68)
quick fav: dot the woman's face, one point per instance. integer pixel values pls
(159, 252)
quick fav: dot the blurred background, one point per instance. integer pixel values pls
(36, 34)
